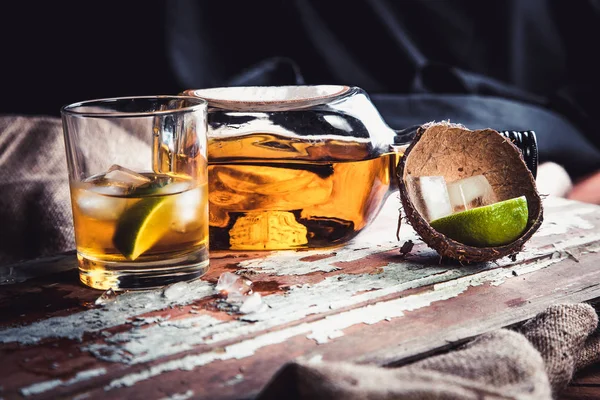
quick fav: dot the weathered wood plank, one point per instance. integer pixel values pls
(358, 340)
(588, 377)
(22, 271)
(581, 393)
(363, 302)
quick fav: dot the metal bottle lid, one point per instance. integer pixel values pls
(527, 143)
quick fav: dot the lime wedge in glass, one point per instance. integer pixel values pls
(142, 225)
(493, 225)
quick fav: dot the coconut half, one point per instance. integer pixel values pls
(455, 152)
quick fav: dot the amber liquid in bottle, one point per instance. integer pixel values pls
(260, 201)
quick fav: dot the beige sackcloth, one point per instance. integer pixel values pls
(36, 218)
(536, 361)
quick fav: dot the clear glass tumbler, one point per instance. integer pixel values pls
(139, 193)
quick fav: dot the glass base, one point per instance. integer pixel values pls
(134, 275)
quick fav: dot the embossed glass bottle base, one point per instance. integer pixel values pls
(274, 205)
(142, 275)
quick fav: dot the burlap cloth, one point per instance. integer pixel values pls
(534, 362)
(35, 205)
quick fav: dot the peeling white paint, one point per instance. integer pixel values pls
(569, 218)
(118, 312)
(333, 293)
(332, 325)
(234, 381)
(324, 337)
(42, 387)
(83, 375)
(169, 337)
(179, 396)
(315, 359)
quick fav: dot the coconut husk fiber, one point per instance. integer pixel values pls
(455, 152)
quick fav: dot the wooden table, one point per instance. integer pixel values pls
(364, 302)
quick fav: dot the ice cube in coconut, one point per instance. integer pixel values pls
(430, 196)
(471, 192)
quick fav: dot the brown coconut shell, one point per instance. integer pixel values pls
(455, 152)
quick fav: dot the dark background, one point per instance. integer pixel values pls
(512, 64)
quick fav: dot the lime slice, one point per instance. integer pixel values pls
(142, 225)
(488, 226)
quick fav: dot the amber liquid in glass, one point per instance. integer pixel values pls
(259, 202)
(116, 231)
